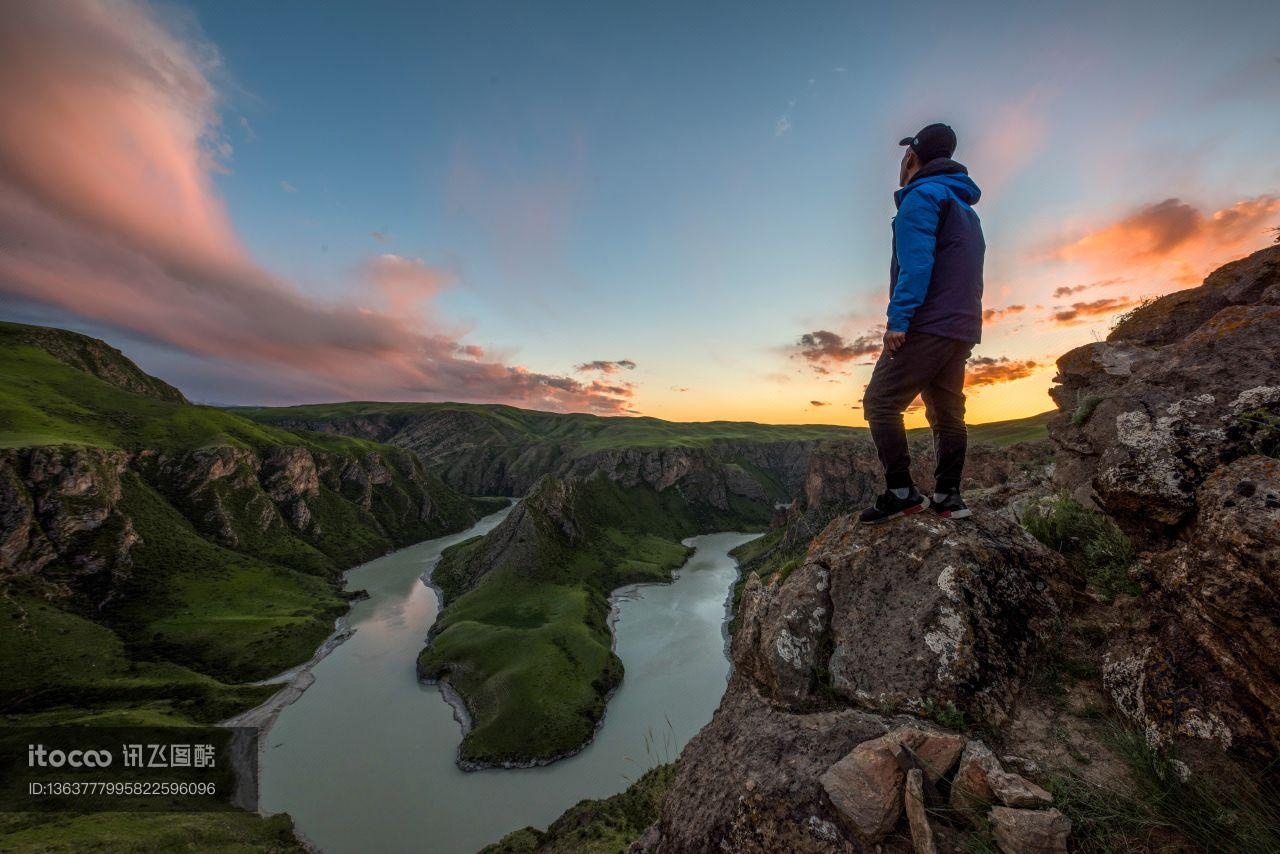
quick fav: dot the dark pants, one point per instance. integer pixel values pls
(932, 367)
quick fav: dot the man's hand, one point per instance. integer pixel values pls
(892, 341)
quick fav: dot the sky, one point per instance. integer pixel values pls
(670, 209)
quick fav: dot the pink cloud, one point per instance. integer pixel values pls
(1012, 137)
(108, 143)
(406, 286)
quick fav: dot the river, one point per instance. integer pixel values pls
(364, 760)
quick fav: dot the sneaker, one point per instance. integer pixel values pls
(889, 506)
(952, 507)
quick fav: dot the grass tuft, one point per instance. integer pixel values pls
(1226, 811)
(945, 715)
(1265, 429)
(1089, 540)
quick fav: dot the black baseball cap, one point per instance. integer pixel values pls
(934, 141)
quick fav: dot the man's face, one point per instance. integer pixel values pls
(907, 167)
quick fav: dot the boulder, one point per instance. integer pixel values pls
(970, 789)
(934, 751)
(866, 787)
(922, 615)
(1014, 790)
(917, 818)
(749, 781)
(1020, 831)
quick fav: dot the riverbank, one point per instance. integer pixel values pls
(295, 681)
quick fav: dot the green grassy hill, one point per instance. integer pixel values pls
(45, 400)
(1001, 433)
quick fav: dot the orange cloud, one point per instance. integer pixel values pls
(1173, 238)
(990, 370)
(818, 403)
(1068, 290)
(606, 367)
(824, 349)
(1079, 311)
(995, 315)
(108, 143)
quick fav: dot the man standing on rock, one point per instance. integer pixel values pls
(935, 318)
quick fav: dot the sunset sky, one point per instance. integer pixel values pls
(675, 209)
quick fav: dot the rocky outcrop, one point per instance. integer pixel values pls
(1171, 426)
(750, 780)
(60, 505)
(763, 778)
(63, 517)
(924, 616)
(919, 615)
(1180, 388)
(703, 476)
(545, 520)
(1205, 661)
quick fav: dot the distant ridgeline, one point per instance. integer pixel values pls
(485, 449)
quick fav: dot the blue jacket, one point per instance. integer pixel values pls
(935, 282)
